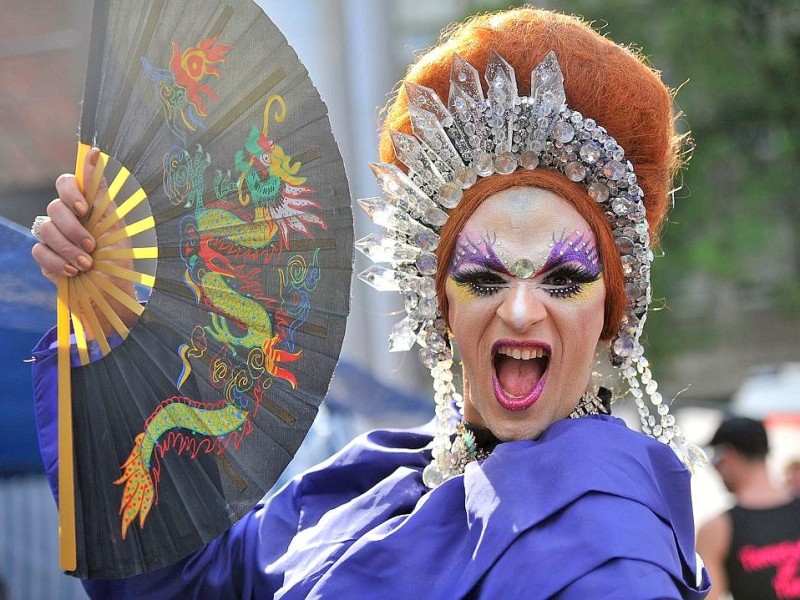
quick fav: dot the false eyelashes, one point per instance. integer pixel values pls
(564, 281)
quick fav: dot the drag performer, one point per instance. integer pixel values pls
(527, 164)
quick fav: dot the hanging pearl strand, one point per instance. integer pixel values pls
(636, 372)
(449, 408)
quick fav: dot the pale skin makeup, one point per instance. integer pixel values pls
(526, 307)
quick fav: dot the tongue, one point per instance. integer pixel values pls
(518, 377)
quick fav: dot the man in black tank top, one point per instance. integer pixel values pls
(753, 550)
(792, 473)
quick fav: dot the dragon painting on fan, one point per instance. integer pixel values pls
(225, 244)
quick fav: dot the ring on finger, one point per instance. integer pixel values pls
(37, 226)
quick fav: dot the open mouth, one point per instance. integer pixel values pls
(520, 370)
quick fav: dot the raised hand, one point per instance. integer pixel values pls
(66, 248)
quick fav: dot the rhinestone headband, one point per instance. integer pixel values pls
(481, 136)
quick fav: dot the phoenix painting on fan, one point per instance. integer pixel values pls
(179, 87)
(226, 242)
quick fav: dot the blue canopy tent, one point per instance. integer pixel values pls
(27, 310)
(28, 517)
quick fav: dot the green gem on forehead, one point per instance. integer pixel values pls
(523, 268)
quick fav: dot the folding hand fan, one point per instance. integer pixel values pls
(219, 191)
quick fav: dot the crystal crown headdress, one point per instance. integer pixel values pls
(481, 136)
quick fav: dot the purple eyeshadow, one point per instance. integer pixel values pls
(481, 254)
(576, 248)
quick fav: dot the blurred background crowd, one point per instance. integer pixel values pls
(726, 335)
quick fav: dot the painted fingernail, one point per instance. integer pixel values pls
(94, 156)
(84, 262)
(70, 270)
(87, 244)
(81, 208)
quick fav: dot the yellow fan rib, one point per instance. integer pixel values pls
(82, 304)
(90, 192)
(66, 471)
(96, 296)
(101, 205)
(78, 330)
(117, 215)
(124, 273)
(109, 288)
(66, 468)
(127, 232)
(121, 253)
(80, 162)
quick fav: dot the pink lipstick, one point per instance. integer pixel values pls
(520, 372)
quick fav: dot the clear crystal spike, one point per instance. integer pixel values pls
(429, 131)
(426, 99)
(466, 77)
(403, 335)
(385, 279)
(547, 87)
(379, 248)
(546, 100)
(466, 104)
(502, 92)
(400, 190)
(413, 155)
(467, 122)
(696, 458)
(392, 218)
(501, 79)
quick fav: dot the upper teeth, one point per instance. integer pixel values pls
(521, 353)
